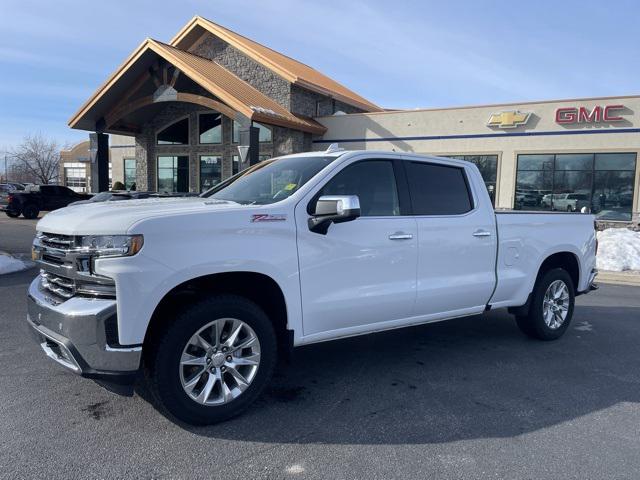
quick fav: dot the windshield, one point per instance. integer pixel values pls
(269, 181)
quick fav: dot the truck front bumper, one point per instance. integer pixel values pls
(74, 334)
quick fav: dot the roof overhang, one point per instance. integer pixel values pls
(291, 70)
(215, 79)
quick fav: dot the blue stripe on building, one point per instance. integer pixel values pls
(481, 135)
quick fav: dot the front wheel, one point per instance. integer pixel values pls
(214, 360)
(551, 306)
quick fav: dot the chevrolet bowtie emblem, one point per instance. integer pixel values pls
(509, 119)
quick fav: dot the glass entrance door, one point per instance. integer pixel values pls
(173, 174)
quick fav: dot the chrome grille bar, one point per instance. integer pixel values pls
(65, 268)
(62, 242)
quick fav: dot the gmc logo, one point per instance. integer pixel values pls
(583, 115)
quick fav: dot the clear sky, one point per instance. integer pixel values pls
(54, 54)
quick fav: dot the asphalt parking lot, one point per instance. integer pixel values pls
(469, 398)
(16, 234)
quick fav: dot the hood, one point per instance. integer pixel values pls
(112, 218)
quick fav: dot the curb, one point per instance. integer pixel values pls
(631, 278)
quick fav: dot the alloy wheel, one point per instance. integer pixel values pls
(555, 304)
(219, 361)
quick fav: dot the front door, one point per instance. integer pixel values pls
(361, 272)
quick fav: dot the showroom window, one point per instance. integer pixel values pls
(173, 174)
(210, 128)
(602, 182)
(488, 166)
(264, 133)
(175, 134)
(129, 173)
(210, 171)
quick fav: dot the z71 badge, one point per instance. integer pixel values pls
(265, 217)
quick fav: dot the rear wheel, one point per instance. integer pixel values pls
(551, 306)
(12, 214)
(214, 360)
(30, 211)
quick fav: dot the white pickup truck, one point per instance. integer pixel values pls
(202, 294)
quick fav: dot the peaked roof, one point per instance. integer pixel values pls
(291, 70)
(213, 77)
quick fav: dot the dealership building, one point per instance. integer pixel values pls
(190, 113)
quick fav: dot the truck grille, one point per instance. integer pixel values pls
(65, 270)
(60, 242)
(64, 287)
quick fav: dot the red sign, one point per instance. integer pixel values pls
(597, 114)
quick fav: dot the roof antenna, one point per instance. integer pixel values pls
(333, 148)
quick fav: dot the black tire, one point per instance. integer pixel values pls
(533, 323)
(30, 211)
(569, 208)
(12, 214)
(163, 368)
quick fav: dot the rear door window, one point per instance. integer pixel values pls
(438, 189)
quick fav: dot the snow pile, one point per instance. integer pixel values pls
(618, 250)
(10, 264)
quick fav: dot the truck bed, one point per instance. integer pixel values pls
(526, 238)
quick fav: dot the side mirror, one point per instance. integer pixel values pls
(334, 209)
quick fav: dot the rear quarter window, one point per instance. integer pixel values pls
(438, 189)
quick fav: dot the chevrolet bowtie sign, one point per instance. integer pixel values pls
(510, 119)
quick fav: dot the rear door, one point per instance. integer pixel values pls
(456, 238)
(362, 273)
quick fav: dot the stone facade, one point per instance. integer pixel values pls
(296, 99)
(247, 69)
(312, 104)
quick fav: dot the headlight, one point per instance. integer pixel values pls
(112, 245)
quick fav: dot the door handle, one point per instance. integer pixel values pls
(481, 233)
(400, 236)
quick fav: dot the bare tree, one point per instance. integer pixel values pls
(36, 157)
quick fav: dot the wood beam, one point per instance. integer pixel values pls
(174, 77)
(135, 87)
(139, 103)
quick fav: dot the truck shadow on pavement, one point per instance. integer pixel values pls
(468, 378)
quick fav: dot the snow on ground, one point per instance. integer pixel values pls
(618, 250)
(10, 264)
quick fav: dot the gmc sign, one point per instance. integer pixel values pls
(598, 114)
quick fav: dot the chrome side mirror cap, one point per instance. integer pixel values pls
(334, 209)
